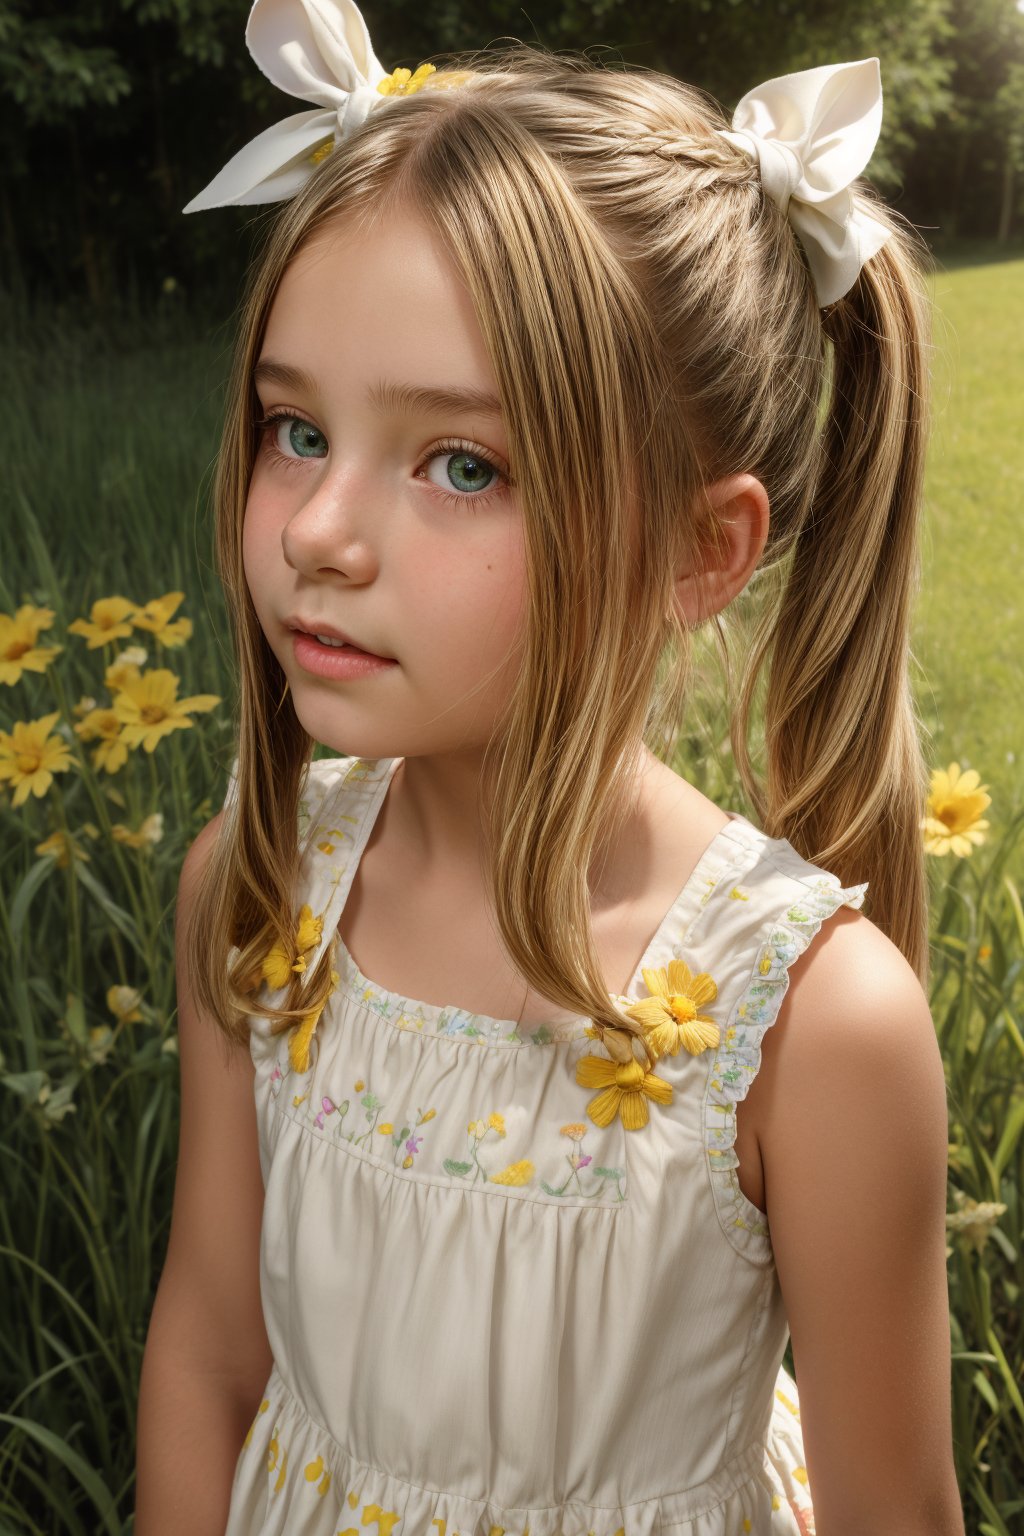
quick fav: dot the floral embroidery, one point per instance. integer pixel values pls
(602, 1184)
(433, 1019)
(301, 1034)
(625, 1085)
(669, 1016)
(315, 1469)
(281, 961)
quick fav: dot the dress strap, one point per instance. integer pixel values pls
(333, 833)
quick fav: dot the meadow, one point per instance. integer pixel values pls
(107, 470)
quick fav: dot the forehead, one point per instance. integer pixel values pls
(386, 298)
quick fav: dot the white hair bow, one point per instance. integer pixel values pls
(318, 50)
(813, 133)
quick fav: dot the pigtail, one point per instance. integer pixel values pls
(845, 777)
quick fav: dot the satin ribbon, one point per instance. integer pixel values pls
(320, 51)
(812, 134)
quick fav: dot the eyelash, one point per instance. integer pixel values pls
(266, 424)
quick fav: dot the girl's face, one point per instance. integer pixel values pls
(379, 512)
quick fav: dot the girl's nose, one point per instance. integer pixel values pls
(333, 529)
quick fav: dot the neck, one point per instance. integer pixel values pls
(436, 809)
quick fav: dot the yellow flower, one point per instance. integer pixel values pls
(516, 1173)
(279, 961)
(151, 831)
(402, 82)
(148, 709)
(625, 1085)
(321, 152)
(154, 617)
(974, 1219)
(952, 823)
(62, 847)
(670, 1017)
(125, 668)
(30, 756)
(109, 619)
(18, 649)
(302, 1034)
(104, 724)
(575, 1131)
(123, 1003)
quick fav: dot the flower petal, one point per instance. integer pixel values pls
(656, 982)
(604, 1106)
(679, 978)
(633, 1109)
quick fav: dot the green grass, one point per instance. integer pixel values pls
(969, 620)
(106, 471)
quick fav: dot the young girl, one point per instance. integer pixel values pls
(541, 363)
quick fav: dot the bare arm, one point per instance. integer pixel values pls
(854, 1149)
(207, 1357)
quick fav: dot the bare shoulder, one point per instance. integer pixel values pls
(853, 1135)
(197, 854)
(851, 992)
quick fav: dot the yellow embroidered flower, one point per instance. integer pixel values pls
(625, 1085)
(402, 82)
(951, 822)
(123, 1003)
(670, 1017)
(30, 756)
(516, 1173)
(110, 618)
(302, 1034)
(155, 618)
(279, 962)
(62, 847)
(103, 724)
(148, 833)
(149, 709)
(316, 1469)
(19, 650)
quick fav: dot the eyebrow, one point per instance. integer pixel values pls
(387, 395)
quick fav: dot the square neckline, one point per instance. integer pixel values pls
(450, 1020)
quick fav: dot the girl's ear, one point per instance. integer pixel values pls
(741, 503)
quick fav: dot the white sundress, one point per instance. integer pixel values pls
(489, 1314)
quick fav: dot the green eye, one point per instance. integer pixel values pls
(459, 467)
(469, 473)
(307, 440)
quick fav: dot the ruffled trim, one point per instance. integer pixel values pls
(781, 941)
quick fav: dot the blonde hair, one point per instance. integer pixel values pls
(652, 326)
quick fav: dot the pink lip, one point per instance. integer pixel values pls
(336, 634)
(341, 663)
